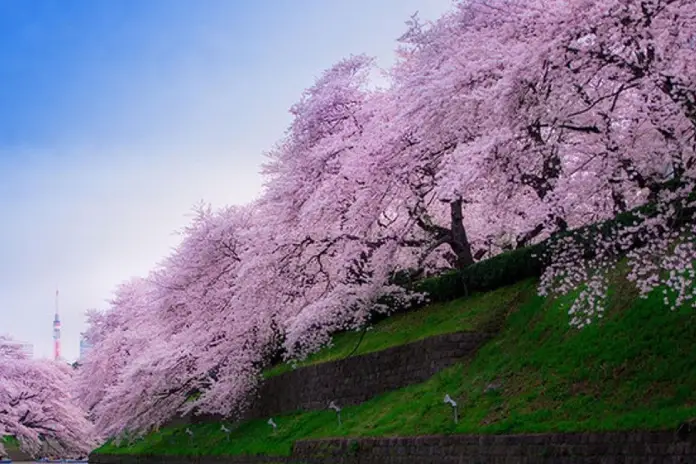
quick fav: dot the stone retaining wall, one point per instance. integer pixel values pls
(573, 448)
(578, 448)
(357, 379)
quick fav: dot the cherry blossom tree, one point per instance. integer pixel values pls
(178, 341)
(207, 358)
(37, 405)
(435, 176)
(328, 273)
(119, 336)
(446, 123)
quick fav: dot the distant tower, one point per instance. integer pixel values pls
(56, 332)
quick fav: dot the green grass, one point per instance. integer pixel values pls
(634, 370)
(10, 440)
(464, 314)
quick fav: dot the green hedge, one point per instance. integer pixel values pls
(499, 271)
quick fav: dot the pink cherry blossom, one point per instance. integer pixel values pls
(37, 405)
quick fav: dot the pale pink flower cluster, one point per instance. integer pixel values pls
(659, 254)
(37, 404)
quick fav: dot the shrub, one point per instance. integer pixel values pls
(499, 271)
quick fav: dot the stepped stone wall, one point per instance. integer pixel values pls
(574, 448)
(357, 379)
(578, 448)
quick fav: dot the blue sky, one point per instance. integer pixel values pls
(116, 116)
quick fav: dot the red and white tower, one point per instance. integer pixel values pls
(56, 332)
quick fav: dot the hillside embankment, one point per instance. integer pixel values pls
(537, 389)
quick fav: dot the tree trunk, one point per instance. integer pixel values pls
(459, 241)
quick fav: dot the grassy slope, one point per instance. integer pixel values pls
(464, 314)
(636, 369)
